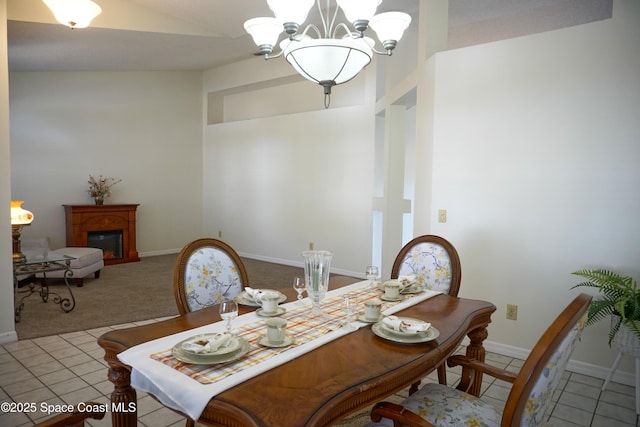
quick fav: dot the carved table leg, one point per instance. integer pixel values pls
(475, 350)
(123, 399)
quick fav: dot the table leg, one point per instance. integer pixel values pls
(123, 399)
(475, 350)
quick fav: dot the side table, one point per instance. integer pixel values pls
(42, 263)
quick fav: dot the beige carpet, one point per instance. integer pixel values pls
(126, 293)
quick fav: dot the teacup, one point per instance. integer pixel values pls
(268, 302)
(392, 289)
(276, 330)
(372, 309)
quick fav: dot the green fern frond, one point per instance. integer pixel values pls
(619, 296)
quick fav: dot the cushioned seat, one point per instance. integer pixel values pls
(87, 261)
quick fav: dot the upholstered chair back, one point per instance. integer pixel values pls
(207, 272)
(433, 260)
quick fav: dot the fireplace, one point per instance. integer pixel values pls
(109, 241)
(111, 228)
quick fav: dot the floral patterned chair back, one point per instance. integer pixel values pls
(433, 260)
(207, 272)
(534, 407)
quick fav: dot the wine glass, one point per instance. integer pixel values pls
(228, 312)
(299, 286)
(372, 275)
(349, 306)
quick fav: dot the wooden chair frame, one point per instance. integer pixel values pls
(181, 266)
(522, 382)
(456, 269)
(456, 277)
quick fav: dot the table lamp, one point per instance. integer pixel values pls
(19, 218)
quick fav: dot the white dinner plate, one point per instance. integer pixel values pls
(210, 359)
(230, 346)
(429, 335)
(244, 298)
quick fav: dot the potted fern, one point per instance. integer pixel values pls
(620, 299)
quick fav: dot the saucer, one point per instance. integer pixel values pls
(278, 312)
(367, 320)
(288, 340)
(386, 298)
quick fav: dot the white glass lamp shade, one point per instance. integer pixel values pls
(264, 31)
(294, 11)
(74, 13)
(328, 60)
(359, 10)
(20, 216)
(390, 26)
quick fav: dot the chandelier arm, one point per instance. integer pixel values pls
(333, 20)
(268, 56)
(387, 52)
(347, 30)
(322, 17)
(306, 30)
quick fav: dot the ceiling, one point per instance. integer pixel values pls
(200, 34)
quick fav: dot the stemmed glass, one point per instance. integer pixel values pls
(349, 306)
(299, 286)
(372, 275)
(228, 312)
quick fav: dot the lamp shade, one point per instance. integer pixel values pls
(390, 25)
(328, 60)
(264, 31)
(20, 216)
(290, 10)
(74, 13)
(356, 10)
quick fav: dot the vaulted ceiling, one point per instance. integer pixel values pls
(202, 34)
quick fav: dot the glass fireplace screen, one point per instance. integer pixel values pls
(109, 241)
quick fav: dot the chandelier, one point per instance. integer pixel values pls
(74, 13)
(327, 59)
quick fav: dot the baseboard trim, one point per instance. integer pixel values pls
(156, 253)
(8, 337)
(299, 264)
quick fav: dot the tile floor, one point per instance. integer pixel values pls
(68, 368)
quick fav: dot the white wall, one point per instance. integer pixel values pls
(7, 329)
(536, 159)
(276, 183)
(142, 127)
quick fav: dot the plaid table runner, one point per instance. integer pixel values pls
(299, 327)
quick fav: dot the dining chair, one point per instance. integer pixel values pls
(531, 391)
(436, 264)
(76, 418)
(207, 271)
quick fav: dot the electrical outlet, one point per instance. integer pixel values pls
(442, 215)
(512, 312)
(310, 246)
(219, 234)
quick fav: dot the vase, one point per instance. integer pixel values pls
(316, 275)
(99, 201)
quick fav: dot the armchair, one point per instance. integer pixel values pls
(531, 390)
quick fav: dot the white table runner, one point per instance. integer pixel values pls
(182, 393)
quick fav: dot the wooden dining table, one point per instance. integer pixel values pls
(324, 385)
